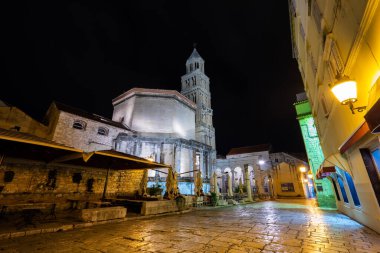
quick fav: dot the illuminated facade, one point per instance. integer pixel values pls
(274, 175)
(333, 39)
(323, 187)
(171, 127)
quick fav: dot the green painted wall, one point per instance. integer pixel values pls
(324, 189)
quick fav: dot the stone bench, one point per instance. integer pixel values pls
(103, 213)
(163, 206)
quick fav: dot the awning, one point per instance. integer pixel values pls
(109, 159)
(26, 146)
(328, 165)
(325, 172)
(373, 118)
(355, 137)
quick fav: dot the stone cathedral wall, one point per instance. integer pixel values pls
(155, 114)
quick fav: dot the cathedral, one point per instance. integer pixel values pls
(171, 127)
(165, 126)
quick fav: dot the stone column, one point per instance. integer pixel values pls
(191, 160)
(259, 185)
(229, 191)
(177, 158)
(248, 183)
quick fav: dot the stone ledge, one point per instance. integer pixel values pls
(103, 214)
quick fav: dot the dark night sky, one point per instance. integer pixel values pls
(85, 55)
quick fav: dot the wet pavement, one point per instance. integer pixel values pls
(270, 226)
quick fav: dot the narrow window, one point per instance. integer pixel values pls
(103, 131)
(351, 185)
(79, 124)
(90, 185)
(342, 190)
(371, 159)
(335, 189)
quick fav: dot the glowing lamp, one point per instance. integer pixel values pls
(310, 176)
(303, 169)
(346, 93)
(261, 162)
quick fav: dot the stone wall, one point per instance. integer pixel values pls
(31, 183)
(87, 139)
(157, 113)
(13, 118)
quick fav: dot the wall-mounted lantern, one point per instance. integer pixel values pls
(346, 92)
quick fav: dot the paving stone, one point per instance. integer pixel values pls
(259, 227)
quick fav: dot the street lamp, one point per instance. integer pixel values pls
(346, 92)
(302, 169)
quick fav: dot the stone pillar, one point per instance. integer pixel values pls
(162, 154)
(259, 182)
(248, 183)
(177, 158)
(229, 190)
(191, 160)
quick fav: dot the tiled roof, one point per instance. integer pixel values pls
(144, 91)
(250, 149)
(88, 115)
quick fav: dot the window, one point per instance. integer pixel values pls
(342, 190)
(287, 187)
(335, 189)
(317, 15)
(371, 159)
(103, 131)
(79, 124)
(376, 159)
(351, 185)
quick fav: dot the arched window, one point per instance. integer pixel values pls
(103, 131)
(79, 124)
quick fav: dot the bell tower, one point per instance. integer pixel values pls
(196, 87)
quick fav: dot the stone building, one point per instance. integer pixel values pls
(164, 128)
(337, 47)
(163, 125)
(12, 118)
(270, 174)
(325, 192)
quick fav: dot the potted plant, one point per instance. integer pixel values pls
(180, 201)
(214, 199)
(155, 190)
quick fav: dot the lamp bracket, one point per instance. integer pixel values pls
(352, 108)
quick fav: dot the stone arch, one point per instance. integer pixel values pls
(238, 175)
(227, 170)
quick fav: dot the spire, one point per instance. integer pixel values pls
(194, 55)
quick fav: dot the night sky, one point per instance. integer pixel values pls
(86, 54)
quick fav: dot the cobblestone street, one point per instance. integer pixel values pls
(281, 226)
